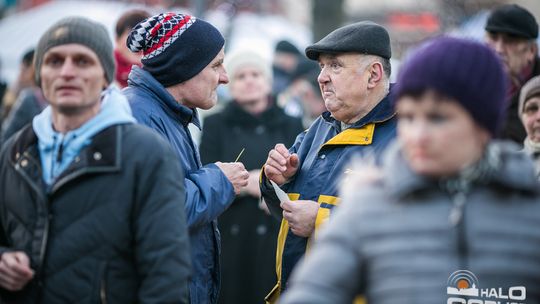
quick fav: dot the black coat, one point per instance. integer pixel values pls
(112, 229)
(249, 235)
(513, 128)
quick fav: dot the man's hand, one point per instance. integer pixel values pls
(236, 173)
(15, 270)
(301, 216)
(280, 165)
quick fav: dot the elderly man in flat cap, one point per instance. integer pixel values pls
(354, 83)
(512, 31)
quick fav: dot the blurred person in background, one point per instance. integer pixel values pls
(529, 112)
(123, 57)
(182, 68)
(253, 123)
(286, 57)
(354, 81)
(511, 31)
(25, 79)
(447, 197)
(92, 206)
(29, 103)
(302, 98)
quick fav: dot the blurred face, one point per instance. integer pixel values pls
(200, 91)
(531, 118)
(438, 136)
(72, 79)
(343, 82)
(515, 52)
(249, 84)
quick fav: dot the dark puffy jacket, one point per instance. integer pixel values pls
(111, 230)
(399, 237)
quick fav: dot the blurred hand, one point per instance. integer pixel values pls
(252, 187)
(236, 173)
(301, 216)
(280, 165)
(15, 271)
(263, 206)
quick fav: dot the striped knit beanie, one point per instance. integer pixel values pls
(175, 47)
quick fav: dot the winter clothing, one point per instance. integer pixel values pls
(123, 67)
(529, 90)
(176, 47)
(110, 229)
(29, 103)
(208, 191)
(325, 152)
(363, 37)
(247, 58)
(82, 31)
(248, 233)
(512, 19)
(447, 74)
(58, 150)
(513, 128)
(400, 236)
(533, 150)
(285, 46)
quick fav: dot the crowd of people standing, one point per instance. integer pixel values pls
(318, 182)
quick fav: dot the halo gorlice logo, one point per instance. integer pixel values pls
(463, 288)
(462, 283)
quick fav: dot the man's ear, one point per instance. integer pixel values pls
(375, 74)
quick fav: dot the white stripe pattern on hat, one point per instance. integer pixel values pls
(151, 35)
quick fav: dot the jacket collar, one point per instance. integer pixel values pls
(141, 78)
(383, 111)
(102, 155)
(514, 171)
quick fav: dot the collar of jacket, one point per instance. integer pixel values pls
(141, 78)
(271, 117)
(514, 172)
(102, 155)
(383, 111)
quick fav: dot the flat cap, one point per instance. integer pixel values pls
(364, 37)
(512, 19)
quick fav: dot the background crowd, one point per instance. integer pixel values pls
(165, 159)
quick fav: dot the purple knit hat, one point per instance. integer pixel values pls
(465, 70)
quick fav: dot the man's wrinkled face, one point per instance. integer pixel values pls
(515, 52)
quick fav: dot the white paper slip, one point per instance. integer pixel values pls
(283, 197)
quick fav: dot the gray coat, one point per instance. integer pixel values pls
(398, 238)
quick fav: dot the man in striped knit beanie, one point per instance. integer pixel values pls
(182, 68)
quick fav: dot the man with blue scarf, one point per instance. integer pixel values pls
(89, 200)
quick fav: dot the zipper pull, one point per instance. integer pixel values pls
(60, 151)
(456, 214)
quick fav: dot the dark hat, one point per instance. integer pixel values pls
(364, 37)
(512, 19)
(529, 90)
(176, 47)
(77, 30)
(285, 46)
(465, 70)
